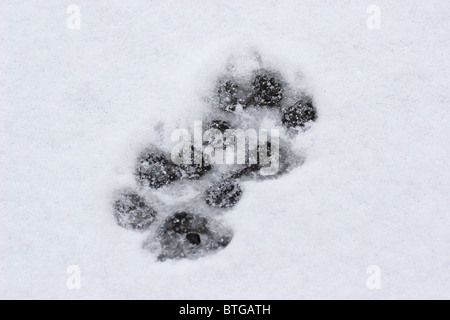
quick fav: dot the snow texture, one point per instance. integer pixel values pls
(77, 107)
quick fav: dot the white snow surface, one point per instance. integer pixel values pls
(76, 106)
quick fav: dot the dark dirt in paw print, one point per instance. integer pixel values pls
(193, 238)
(192, 228)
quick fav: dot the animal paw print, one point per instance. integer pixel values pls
(193, 228)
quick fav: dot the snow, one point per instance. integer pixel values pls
(78, 105)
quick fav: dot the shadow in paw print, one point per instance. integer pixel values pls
(286, 159)
(220, 125)
(155, 170)
(223, 194)
(193, 171)
(187, 235)
(133, 212)
(267, 89)
(297, 115)
(230, 96)
(238, 102)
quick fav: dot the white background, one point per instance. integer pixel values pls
(76, 105)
